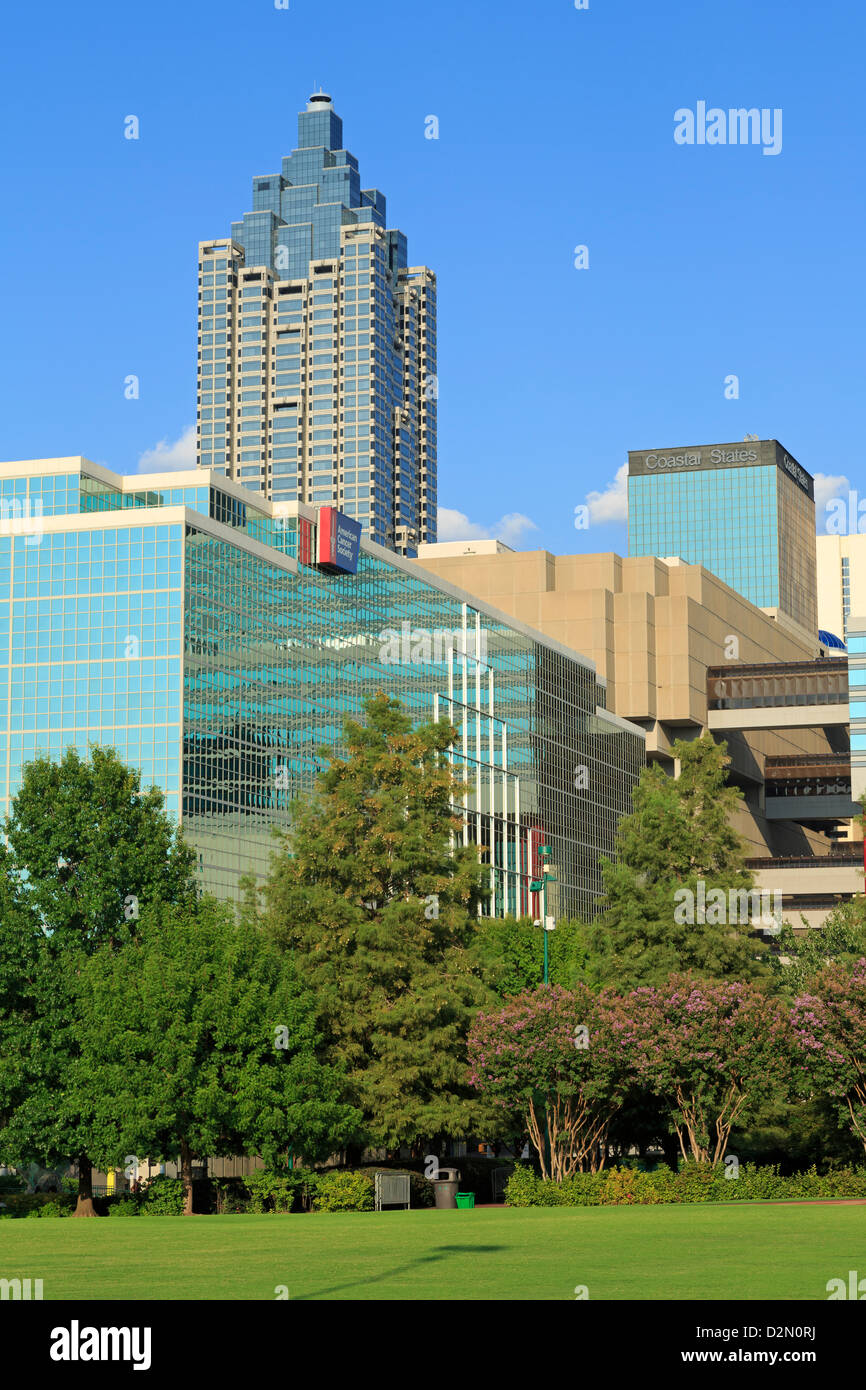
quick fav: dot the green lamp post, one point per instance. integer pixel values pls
(539, 885)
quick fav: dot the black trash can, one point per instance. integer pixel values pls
(445, 1186)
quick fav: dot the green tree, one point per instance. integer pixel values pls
(678, 841)
(20, 943)
(195, 1038)
(377, 899)
(510, 954)
(87, 849)
(802, 956)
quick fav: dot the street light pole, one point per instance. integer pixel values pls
(544, 923)
(539, 885)
(547, 924)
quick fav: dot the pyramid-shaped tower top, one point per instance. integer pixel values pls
(298, 213)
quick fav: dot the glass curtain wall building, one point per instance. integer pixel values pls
(201, 631)
(317, 346)
(745, 511)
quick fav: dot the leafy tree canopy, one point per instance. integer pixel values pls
(87, 850)
(510, 953)
(197, 1037)
(87, 847)
(678, 847)
(377, 898)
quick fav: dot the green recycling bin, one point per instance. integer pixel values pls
(465, 1199)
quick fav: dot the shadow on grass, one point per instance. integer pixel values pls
(440, 1253)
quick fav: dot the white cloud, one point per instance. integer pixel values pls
(827, 486)
(166, 457)
(456, 526)
(612, 504)
(511, 527)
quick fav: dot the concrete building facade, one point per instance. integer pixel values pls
(654, 628)
(841, 579)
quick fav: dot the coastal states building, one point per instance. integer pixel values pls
(745, 511)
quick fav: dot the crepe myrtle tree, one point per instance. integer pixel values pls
(554, 1063)
(712, 1052)
(829, 1024)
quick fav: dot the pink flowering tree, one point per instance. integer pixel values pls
(710, 1053)
(555, 1059)
(830, 1033)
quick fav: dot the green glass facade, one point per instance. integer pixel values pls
(91, 648)
(684, 515)
(197, 636)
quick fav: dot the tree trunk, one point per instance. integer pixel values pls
(186, 1176)
(672, 1151)
(84, 1204)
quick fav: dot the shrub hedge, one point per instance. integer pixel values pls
(36, 1203)
(263, 1191)
(342, 1190)
(163, 1196)
(692, 1183)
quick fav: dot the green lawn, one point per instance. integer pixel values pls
(661, 1252)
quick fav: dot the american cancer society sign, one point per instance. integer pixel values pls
(338, 542)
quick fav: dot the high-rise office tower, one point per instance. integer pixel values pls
(317, 346)
(745, 511)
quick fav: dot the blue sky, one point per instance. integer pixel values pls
(555, 130)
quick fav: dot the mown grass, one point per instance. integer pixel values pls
(656, 1253)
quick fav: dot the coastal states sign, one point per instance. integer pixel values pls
(748, 453)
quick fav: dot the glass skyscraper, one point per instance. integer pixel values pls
(213, 639)
(744, 511)
(317, 346)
